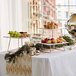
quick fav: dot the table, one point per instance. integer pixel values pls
(10, 38)
(58, 63)
(55, 64)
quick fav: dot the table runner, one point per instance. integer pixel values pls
(22, 67)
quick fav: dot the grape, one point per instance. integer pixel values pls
(14, 34)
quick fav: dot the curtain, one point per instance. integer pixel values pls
(10, 19)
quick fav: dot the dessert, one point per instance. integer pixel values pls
(49, 41)
(24, 34)
(51, 25)
(60, 39)
(53, 40)
(45, 40)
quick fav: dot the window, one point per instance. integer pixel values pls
(66, 14)
(64, 9)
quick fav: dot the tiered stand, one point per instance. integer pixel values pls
(20, 40)
(51, 44)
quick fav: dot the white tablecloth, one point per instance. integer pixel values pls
(55, 64)
(62, 63)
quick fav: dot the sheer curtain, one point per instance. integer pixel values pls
(10, 19)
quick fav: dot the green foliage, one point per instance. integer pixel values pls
(19, 53)
(60, 45)
(69, 40)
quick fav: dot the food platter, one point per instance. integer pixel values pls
(52, 46)
(53, 43)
